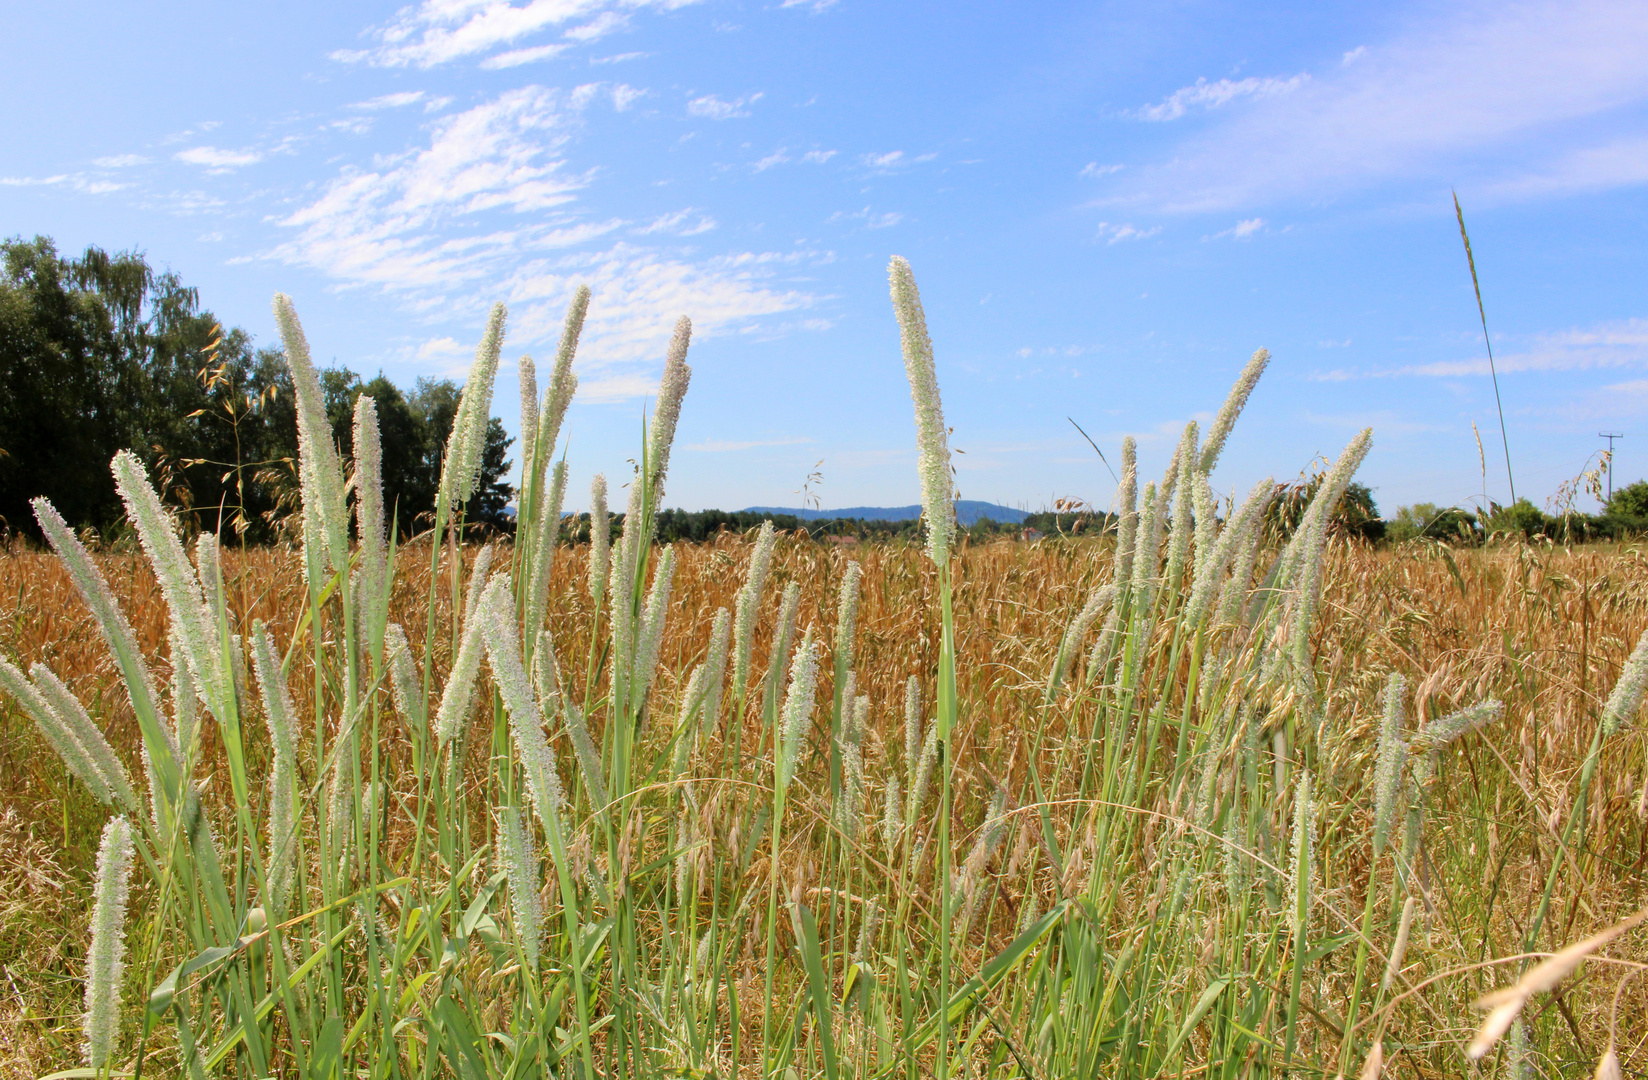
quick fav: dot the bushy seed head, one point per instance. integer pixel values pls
(67, 736)
(520, 861)
(562, 382)
(320, 474)
(404, 680)
(1233, 538)
(912, 725)
(1626, 700)
(798, 707)
(527, 372)
(923, 776)
(1392, 755)
(716, 665)
(846, 620)
(1219, 430)
(459, 693)
(932, 437)
(503, 652)
(748, 607)
(1400, 949)
(1302, 849)
(281, 720)
(110, 620)
(1439, 733)
(466, 445)
(651, 641)
(1127, 528)
(892, 812)
(665, 415)
(369, 508)
(105, 957)
(1100, 599)
(600, 539)
(1178, 542)
(548, 533)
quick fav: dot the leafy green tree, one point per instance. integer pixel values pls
(1630, 501)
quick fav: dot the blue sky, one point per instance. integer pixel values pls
(1108, 207)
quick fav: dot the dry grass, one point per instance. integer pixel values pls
(1544, 629)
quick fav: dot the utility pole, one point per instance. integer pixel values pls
(1610, 436)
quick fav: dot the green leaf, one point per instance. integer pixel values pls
(1203, 1003)
(806, 932)
(165, 992)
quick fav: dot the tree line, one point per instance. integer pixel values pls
(102, 352)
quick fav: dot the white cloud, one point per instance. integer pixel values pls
(619, 58)
(1242, 230)
(213, 158)
(1114, 233)
(1093, 168)
(777, 157)
(440, 31)
(677, 224)
(890, 160)
(883, 220)
(818, 157)
(487, 209)
(1354, 55)
(638, 293)
(382, 227)
(1213, 95)
(713, 108)
(1492, 91)
(389, 101)
(1621, 344)
(75, 181)
(120, 161)
(517, 57)
(624, 95)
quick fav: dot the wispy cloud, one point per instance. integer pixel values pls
(1620, 344)
(217, 159)
(1245, 229)
(1093, 168)
(870, 220)
(488, 208)
(1115, 233)
(389, 101)
(680, 223)
(517, 57)
(777, 157)
(711, 107)
(120, 161)
(1212, 95)
(74, 181)
(1492, 91)
(440, 31)
(818, 157)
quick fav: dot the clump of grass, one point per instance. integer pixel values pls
(544, 834)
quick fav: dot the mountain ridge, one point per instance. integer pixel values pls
(968, 512)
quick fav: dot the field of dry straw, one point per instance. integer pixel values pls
(1185, 799)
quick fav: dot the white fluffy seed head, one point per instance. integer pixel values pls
(105, 957)
(1302, 853)
(1098, 601)
(912, 724)
(1392, 755)
(932, 437)
(1626, 700)
(1400, 949)
(320, 474)
(110, 619)
(1127, 498)
(562, 382)
(466, 444)
(600, 539)
(528, 377)
(548, 531)
(520, 861)
(1178, 542)
(1439, 733)
(798, 707)
(748, 608)
(716, 680)
(667, 413)
(651, 641)
(369, 508)
(846, 621)
(280, 718)
(1219, 430)
(59, 731)
(503, 651)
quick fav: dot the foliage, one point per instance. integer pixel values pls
(101, 353)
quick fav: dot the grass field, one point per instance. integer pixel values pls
(1187, 800)
(1544, 629)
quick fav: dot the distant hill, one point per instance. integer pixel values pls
(968, 512)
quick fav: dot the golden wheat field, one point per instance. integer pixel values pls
(1544, 629)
